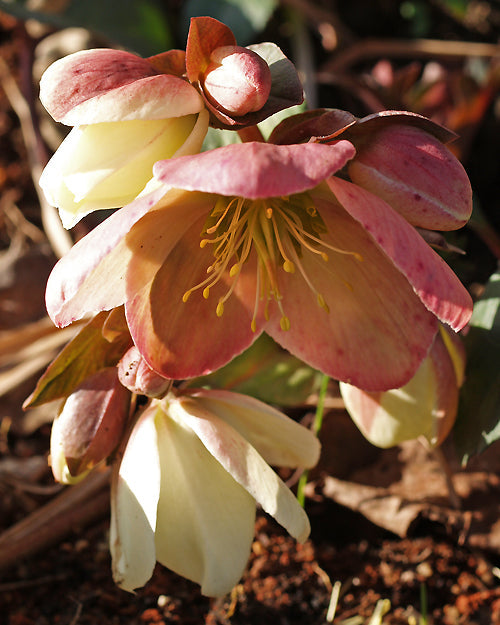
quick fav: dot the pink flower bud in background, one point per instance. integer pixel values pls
(89, 426)
(416, 174)
(138, 377)
(238, 80)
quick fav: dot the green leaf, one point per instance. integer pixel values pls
(87, 353)
(267, 372)
(139, 26)
(478, 422)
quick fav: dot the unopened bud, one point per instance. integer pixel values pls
(416, 174)
(237, 80)
(89, 426)
(138, 377)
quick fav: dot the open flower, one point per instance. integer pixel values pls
(255, 237)
(425, 407)
(127, 115)
(186, 490)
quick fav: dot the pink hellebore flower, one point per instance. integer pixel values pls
(126, 116)
(257, 237)
(425, 407)
(186, 490)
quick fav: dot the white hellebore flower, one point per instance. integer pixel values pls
(186, 490)
(127, 115)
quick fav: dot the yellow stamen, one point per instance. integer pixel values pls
(279, 230)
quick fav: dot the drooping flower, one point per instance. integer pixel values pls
(186, 490)
(331, 271)
(426, 407)
(126, 116)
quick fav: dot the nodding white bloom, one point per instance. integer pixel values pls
(126, 116)
(185, 494)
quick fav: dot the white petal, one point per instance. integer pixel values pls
(135, 492)
(245, 464)
(205, 521)
(278, 439)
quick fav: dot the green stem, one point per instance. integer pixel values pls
(318, 421)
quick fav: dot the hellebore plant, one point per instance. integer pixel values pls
(188, 469)
(130, 112)
(185, 492)
(258, 237)
(426, 407)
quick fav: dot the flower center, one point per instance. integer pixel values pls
(280, 230)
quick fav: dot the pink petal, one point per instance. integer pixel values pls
(90, 277)
(376, 332)
(433, 280)
(111, 85)
(417, 175)
(186, 339)
(255, 170)
(83, 75)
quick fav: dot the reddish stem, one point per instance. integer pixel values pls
(251, 133)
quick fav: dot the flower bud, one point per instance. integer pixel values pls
(425, 407)
(89, 426)
(416, 174)
(126, 117)
(237, 80)
(138, 377)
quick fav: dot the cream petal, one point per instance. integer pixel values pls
(135, 492)
(244, 464)
(123, 164)
(205, 521)
(278, 439)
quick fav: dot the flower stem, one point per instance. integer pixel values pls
(318, 421)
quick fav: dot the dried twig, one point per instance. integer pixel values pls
(58, 237)
(74, 508)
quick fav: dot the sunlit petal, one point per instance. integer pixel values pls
(245, 464)
(205, 519)
(104, 85)
(90, 277)
(134, 499)
(278, 439)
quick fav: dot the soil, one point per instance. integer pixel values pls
(385, 534)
